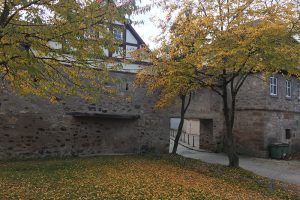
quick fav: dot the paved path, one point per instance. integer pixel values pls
(288, 171)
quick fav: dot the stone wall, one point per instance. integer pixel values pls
(263, 119)
(283, 114)
(249, 130)
(205, 105)
(260, 120)
(31, 127)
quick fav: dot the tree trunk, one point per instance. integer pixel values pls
(230, 144)
(229, 114)
(182, 114)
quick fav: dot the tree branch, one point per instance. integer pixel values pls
(238, 86)
(189, 102)
(18, 10)
(203, 8)
(4, 14)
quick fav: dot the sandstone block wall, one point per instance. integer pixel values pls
(31, 127)
(263, 119)
(260, 120)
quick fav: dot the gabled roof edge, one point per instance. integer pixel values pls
(135, 34)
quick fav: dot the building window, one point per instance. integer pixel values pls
(90, 34)
(118, 34)
(288, 88)
(288, 134)
(273, 86)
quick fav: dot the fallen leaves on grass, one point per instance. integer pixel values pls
(119, 178)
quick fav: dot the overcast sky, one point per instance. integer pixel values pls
(148, 30)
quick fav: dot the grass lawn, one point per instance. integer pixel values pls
(133, 177)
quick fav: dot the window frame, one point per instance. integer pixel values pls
(90, 33)
(273, 86)
(120, 33)
(288, 88)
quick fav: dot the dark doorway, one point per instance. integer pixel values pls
(206, 134)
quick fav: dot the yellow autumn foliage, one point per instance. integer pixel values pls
(52, 48)
(217, 44)
(131, 177)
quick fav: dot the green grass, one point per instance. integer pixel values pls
(134, 177)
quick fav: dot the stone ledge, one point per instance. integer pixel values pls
(102, 115)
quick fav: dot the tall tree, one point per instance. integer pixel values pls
(228, 40)
(52, 47)
(171, 78)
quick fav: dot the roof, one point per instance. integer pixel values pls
(135, 34)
